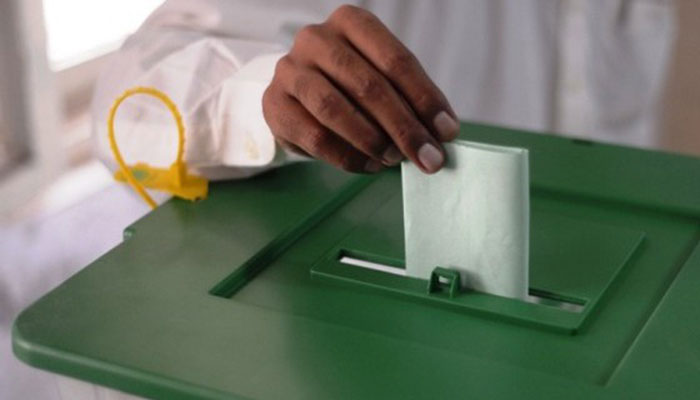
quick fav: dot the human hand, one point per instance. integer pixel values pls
(351, 94)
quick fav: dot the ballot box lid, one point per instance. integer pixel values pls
(251, 292)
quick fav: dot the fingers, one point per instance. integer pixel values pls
(388, 55)
(294, 124)
(350, 93)
(331, 108)
(375, 95)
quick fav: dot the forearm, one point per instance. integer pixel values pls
(215, 70)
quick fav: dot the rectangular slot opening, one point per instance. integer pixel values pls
(349, 260)
(535, 296)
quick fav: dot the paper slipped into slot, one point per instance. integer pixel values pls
(472, 216)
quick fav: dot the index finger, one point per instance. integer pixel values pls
(388, 55)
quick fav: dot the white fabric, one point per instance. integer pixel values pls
(472, 216)
(589, 68)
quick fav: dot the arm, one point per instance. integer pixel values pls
(348, 92)
(214, 59)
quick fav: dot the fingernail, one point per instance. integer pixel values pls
(446, 126)
(430, 157)
(373, 166)
(392, 155)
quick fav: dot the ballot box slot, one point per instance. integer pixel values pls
(364, 271)
(358, 262)
(535, 296)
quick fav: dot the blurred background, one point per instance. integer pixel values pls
(57, 49)
(51, 184)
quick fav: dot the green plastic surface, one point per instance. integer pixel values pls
(243, 295)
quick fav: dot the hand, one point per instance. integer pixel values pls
(351, 94)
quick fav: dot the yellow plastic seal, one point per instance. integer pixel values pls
(174, 180)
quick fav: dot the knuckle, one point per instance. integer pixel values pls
(301, 86)
(328, 105)
(316, 140)
(342, 58)
(353, 15)
(283, 66)
(398, 63)
(426, 102)
(343, 12)
(405, 132)
(368, 87)
(307, 33)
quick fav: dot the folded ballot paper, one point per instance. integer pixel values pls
(471, 216)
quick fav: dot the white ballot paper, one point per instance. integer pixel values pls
(472, 216)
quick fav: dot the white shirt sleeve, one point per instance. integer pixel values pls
(214, 59)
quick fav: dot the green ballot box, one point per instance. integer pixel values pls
(261, 291)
